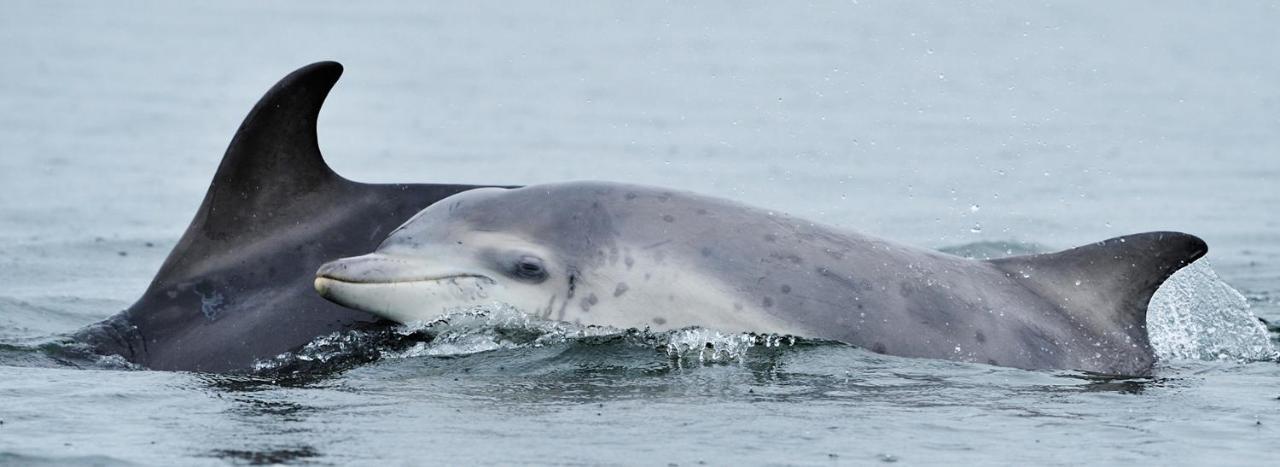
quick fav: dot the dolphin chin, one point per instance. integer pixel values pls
(407, 301)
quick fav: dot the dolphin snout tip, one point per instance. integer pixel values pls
(322, 286)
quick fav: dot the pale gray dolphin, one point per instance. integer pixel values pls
(633, 256)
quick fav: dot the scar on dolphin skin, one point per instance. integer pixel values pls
(550, 306)
(620, 289)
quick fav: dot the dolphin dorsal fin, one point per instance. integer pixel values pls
(272, 164)
(274, 155)
(1107, 285)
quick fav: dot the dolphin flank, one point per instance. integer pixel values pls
(634, 256)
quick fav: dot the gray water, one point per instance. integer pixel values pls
(979, 128)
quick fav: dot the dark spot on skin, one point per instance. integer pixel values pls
(768, 302)
(631, 196)
(702, 212)
(573, 285)
(668, 218)
(659, 321)
(671, 298)
(786, 288)
(770, 238)
(646, 276)
(879, 348)
(621, 289)
(666, 196)
(980, 337)
(706, 251)
(588, 302)
(629, 262)
(992, 362)
(737, 306)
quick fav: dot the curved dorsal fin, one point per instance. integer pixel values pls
(274, 155)
(272, 165)
(1107, 285)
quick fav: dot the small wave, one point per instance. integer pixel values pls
(59, 352)
(502, 327)
(10, 458)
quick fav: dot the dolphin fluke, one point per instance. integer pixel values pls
(237, 287)
(1107, 285)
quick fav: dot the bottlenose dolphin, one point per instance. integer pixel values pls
(633, 256)
(237, 287)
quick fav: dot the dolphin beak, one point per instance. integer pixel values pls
(378, 268)
(398, 288)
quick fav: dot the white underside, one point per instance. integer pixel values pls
(409, 301)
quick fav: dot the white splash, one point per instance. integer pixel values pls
(1195, 315)
(496, 326)
(709, 346)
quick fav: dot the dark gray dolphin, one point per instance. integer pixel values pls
(237, 287)
(633, 256)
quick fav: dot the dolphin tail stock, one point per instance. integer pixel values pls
(1107, 285)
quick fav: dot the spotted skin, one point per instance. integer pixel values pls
(636, 256)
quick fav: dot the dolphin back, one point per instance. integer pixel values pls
(1106, 286)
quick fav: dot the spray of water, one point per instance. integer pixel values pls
(1195, 315)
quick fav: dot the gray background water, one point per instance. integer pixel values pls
(932, 123)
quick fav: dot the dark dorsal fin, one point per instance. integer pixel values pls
(272, 164)
(273, 156)
(1107, 285)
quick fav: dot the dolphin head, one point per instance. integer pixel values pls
(480, 246)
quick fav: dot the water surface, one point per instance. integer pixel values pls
(961, 126)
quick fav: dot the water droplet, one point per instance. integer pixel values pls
(974, 208)
(977, 228)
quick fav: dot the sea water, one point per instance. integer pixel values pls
(982, 129)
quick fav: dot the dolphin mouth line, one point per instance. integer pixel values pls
(409, 280)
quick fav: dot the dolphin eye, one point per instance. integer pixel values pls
(529, 268)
